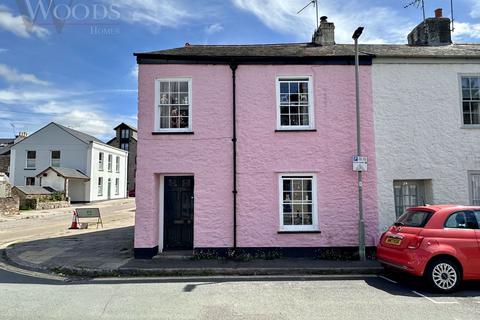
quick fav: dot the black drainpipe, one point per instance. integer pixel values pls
(234, 66)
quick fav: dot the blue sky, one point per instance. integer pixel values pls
(83, 74)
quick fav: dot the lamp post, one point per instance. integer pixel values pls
(361, 222)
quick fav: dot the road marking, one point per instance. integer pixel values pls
(388, 279)
(431, 300)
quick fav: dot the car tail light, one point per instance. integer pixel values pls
(415, 242)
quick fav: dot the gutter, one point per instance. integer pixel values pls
(233, 67)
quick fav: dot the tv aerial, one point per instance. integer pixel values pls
(315, 4)
(421, 3)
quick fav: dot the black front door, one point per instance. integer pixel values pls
(178, 212)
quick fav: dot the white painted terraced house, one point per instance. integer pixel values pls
(426, 100)
(67, 160)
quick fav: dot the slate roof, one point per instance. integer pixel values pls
(126, 125)
(68, 173)
(304, 50)
(80, 135)
(6, 141)
(35, 190)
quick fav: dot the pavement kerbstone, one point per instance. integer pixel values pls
(107, 253)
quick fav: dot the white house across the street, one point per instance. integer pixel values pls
(70, 161)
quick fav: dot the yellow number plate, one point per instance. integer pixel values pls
(394, 241)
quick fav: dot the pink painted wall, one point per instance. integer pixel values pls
(262, 155)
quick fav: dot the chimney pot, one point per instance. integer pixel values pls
(323, 19)
(438, 13)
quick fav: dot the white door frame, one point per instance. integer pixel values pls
(161, 205)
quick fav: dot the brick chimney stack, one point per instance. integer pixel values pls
(432, 32)
(325, 34)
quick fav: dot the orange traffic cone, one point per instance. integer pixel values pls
(74, 221)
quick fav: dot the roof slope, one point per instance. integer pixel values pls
(68, 173)
(80, 135)
(36, 190)
(299, 50)
(126, 125)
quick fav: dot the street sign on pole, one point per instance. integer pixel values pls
(360, 163)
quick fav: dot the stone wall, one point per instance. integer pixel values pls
(5, 187)
(52, 205)
(9, 206)
(4, 163)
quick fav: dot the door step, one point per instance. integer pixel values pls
(175, 255)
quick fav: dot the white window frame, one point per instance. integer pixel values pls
(59, 159)
(26, 160)
(117, 164)
(311, 103)
(157, 105)
(460, 90)
(117, 186)
(100, 187)
(109, 162)
(314, 226)
(101, 160)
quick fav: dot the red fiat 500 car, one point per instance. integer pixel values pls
(441, 243)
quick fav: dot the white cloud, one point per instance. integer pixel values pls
(11, 75)
(466, 31)
(158, 13)
(214, 28)
(382, 24)
(3, 50)
(91, 122)
(475, 12)
(19, 25)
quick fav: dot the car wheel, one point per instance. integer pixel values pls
(444, 275)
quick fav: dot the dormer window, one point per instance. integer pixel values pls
(124, 134)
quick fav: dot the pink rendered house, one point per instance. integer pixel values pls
(251, 147)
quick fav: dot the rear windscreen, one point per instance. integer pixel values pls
(414, 219)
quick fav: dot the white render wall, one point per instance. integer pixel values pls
(418, 129)
(94, 173)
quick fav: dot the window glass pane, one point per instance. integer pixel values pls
(31, 154)
(414, 219)
(164, 98)
(183, 86)
(284, 87)
(183, 98)
(462, 220)
(174, 86)
(303, 87)
(284, 121)
(293, 87)
(466, 94)
(287, 219)
(164, 86)
(297, 219)
(465, 83)
(474, 82)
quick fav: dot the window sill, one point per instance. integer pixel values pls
(155, 133)
(470, 126)
(296, 130)
(298, 231)
(31, 169)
